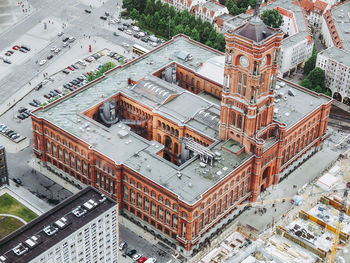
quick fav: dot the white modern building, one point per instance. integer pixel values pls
(336, 64)
(82, 229)
(209, 11)
(297, 45)
(315, 9)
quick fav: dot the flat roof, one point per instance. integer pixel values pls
(339, 55)
(289, 109)
(61, 218)
(341, 18)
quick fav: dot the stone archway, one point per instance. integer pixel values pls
(337, 96)
(265, 178)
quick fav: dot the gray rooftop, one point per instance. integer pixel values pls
(42, 241)
(211, 6)
(337, 54)
(341, 18)
(255, 30)
(290, 109)
(198, 112)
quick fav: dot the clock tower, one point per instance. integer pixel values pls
(251, 65)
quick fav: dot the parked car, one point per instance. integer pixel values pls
(60, 34)
(3, 129)
(80, 79)
(71, 69)
(22, 109)
(21, 117)
(23, 50)
(71, 39)
(42, 62)
(87, 11)
(74, 66)
(16, 47)
(136, 257)
(53, 48)
(9, 53)
(47, 96)
(65, 39)
(131, 252)
(57, 50)
(142, 260)
(58, 91)
(65, 71)
(14, 136)
(121, 28)
(7, 61)
(17, 181)
(136, 36)
(123, 245)
(136, 28)
(81, 62)
(37, 101)
(11, 133)
(65, 44)
(26, 113)
(26, 48)
(129, 32)
(106, 13)
(115, 34)
(103, 17)
(49, 57)
(151, 260)
(144, 39)
(33, 104)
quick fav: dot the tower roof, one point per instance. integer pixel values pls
(255, 30)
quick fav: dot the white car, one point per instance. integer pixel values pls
(136, 28)
(141, 34)
(65, 44)
(125, 44)
(45, 81)
(136, 257)
(71, 39)
(154, 44)
(151, 260)
(117, 20)
(53, 48)
(129, 32)
(60, 34)
(112, 21)
(57, 50)
(42, 62)
(81, 62)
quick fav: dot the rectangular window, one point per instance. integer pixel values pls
(233, 118)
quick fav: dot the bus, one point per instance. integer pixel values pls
(138, 50)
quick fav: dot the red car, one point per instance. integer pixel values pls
(70, 68)
(142, 260)
(16, 47)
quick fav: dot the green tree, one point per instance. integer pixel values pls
(179, 29)
(272, 18)
(306, 83)
(310, 63)
(195, 35)
(150, 7)
(187, 31)
(134, 14)
(317, 77)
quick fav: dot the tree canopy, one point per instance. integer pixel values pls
(272, 18)
(162, 20)
(310, 63)
(315, 81)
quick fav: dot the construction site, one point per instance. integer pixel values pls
(315, 229)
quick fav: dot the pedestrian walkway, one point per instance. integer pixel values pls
(17, 217)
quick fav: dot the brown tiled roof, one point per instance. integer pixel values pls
(255, 30)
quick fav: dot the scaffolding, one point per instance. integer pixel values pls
(204, 153)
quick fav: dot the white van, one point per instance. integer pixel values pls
(81, 62)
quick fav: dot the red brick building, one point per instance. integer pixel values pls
(182, 135)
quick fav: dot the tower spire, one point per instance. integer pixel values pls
(257, 9)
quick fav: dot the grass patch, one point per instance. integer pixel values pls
(9, 205)
(8, 225)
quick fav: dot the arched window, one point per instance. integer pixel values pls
(84, 167)
(139, 200)
(160, 198)
(167, 202)
(175, 207)
(146, 189)
(184, 214)
(153, 194)
(53, 149)
(77, 160)
(72, 160)
(48, 145)
(58, 138)
(65, 154)
(139, 186)
(146, 204)
(132, 181)
(175, 221)
(176, 133)
(59, 150)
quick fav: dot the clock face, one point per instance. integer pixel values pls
(263, 62)
(244, 61)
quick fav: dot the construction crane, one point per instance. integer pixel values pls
(339, 225)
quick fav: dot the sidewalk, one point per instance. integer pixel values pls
(52, 176)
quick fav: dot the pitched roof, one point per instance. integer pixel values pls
(255, 30)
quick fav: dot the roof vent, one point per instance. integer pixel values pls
(123, 134)
(218, 173)
(179, 174)
(79, 211)
(203, 165)
(102, 199)
(3, 259)
(291, 92)
(148, 168)
(287, 114)
(20, 249)
(61, 223)
(32, 242)
(190, 185)
(50, 230)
